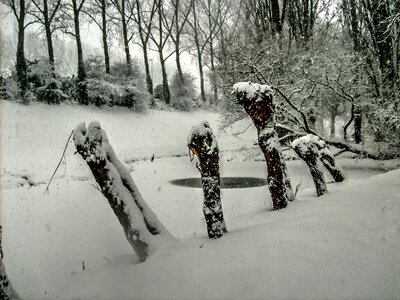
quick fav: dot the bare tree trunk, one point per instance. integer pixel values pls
(306, 147)
(141, 226)
(20, 65)
(149, 81)
(332, 124)
(81, 83)
(199, 53)
(126, 47)
(256, 99)
(357, 124)
(178, 60)
(166, 91)
(49, 40)
(202, 142)
(104, 36)
(6, 290)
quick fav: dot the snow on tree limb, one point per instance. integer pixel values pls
(257, 100)
(307, 148)
(141, 226)
(313, 150)
(202, 142)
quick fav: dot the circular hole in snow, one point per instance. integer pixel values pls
(226, 182)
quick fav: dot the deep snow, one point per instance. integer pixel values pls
(343, 245)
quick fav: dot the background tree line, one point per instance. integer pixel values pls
(330, 61)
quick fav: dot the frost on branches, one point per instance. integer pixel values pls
(313, 150)
(202, 142)
(142, 228)
(6, 289)
(256, 99)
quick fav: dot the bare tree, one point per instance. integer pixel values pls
(205, 28)
(20, 9)
(144, 16)
(180, 14)
(216, 12)
(96, 10)
(46, 14)
(301, 16)
(71, 25)
(124, 17)
(160, 36)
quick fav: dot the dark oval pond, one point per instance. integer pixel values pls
(226, 182)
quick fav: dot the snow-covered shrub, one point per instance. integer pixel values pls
(4, 91)
(183, 93)
(119, 70)
(51, 92)
(68, 86)
(158, 92)
(39, 71)
(101, 91)
(135, 98)
(104, 92)
(116, 88)
(94, 66)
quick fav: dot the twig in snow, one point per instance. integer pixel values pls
(59, 163)
(297, 188)
(97, 188)
(243, 131)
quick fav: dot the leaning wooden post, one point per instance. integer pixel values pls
(307, 148)
(6, 290)
(203, 144)
(256, 99)
(142, 228)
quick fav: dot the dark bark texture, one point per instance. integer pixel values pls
(309, 152)
(20, 65)
(357, 124)
(137, 220)
(202, 143)
(81, 80)
(329, 163)
(104, 35)
(257, 101)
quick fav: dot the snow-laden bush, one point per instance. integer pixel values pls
(183, 93)
(158, 92)
(5, 92)
(135, 98)
(39, 71)
(104, 92)
(51, 92)
(116, 88)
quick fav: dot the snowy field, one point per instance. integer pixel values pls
(68, 244)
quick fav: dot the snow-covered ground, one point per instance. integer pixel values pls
(343, 245)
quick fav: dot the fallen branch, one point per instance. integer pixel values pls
(59, 163)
